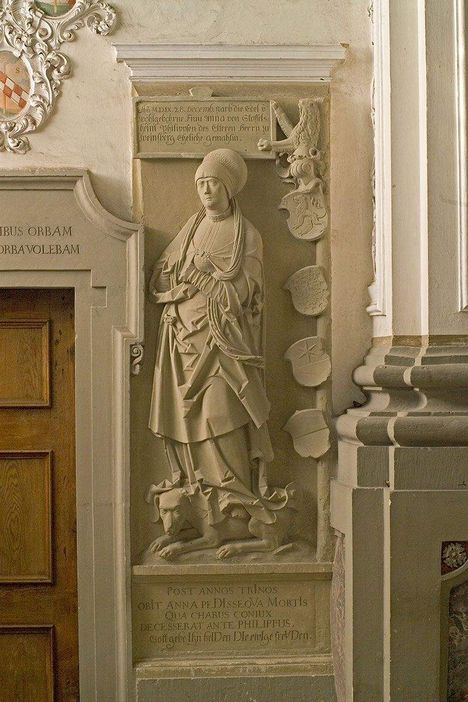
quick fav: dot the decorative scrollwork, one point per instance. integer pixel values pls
(31, 67)
(97, 15)
(136, 354)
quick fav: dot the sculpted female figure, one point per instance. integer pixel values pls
(209, 402)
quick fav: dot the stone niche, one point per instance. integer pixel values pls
(216, 622)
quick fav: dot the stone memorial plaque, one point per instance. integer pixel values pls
(175, 127)
(219, 617)
(53, 229)
(58, 237)
(39, 239)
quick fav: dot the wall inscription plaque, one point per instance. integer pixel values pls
(50, 222)
(38, 239)
(174, 127)
(219, 617)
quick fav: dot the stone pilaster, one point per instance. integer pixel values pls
(399, 493)
(401, 484)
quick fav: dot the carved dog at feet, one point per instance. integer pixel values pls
(187, 529)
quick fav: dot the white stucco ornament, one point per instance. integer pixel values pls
(31, 67)
(309, 432)
(311, 365)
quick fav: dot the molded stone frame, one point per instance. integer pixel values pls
(230, 71)
(108, 287)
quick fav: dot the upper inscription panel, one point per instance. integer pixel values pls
(175, 127)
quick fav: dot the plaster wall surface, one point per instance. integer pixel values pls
(91, 126)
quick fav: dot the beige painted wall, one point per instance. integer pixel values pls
(92, 125)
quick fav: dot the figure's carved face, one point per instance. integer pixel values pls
(212, 194)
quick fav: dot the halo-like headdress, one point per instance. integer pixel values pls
(226, 165)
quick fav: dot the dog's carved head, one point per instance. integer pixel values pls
(171, 506)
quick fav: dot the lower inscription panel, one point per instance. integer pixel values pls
(224, 615)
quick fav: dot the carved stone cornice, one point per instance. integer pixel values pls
(416, 396)
(209, 63)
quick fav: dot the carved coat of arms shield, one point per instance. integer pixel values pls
(308, 216)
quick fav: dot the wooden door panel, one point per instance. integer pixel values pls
(25, 517)
(26, 664)
(24, 351)
(38, 580)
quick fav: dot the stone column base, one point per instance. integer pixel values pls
(400, 492)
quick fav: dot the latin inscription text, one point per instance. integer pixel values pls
(35, 239)
(233, 617)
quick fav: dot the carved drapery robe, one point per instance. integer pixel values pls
(209, 401)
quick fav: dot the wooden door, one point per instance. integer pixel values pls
(38, 582)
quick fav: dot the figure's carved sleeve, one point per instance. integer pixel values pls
(240, 295)
(253, 282)
(205, 283)
(161, 278)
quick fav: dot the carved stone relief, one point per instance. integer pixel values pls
(308, 220)
(310, 363)
(137, 352)
(190, 126)
(209, 405)
(309, 290)
(231, 544)
(308, 214)
(209, 402)
(31, 67)
(309, 432)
